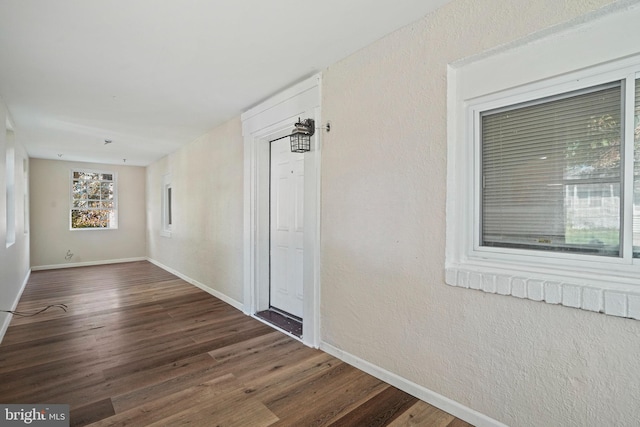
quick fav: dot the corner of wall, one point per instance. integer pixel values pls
(6, 317)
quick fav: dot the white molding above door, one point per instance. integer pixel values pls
(271, 119)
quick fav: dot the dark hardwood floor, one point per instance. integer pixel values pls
(139, 347)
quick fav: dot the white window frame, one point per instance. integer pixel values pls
(166, 206)
(25, 171)
(10, 185)
(595, 283)
(114, 223)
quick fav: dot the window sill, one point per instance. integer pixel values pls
(611, 296)
(94, 229)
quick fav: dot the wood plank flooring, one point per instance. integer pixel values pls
(141, 347)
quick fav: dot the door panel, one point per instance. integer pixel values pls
(299, 197)
(286, 244)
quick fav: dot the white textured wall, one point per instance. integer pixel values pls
(50, 234)
(207, 231)
(384, 299)
(14, 260)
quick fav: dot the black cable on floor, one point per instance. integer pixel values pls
(25, 314)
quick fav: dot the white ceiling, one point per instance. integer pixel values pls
(152, 75)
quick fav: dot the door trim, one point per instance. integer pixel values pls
(267, 121)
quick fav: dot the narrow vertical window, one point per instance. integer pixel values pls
(169, 207)
(166, 206)
(25, 172)
(10, 180)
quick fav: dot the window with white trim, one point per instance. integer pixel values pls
(11, 189)
(544, 190)
(25, 197)
(167, 206)
(93, 200)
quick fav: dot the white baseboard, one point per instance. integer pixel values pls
(217, 294)
(7, 318)
(454, 408)
(87, 264)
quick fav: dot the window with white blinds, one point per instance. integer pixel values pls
(543, 173)
(552, 175)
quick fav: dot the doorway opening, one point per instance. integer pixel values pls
(286, 238)
(294, 258)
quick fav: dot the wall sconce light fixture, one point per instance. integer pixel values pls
(301, 136)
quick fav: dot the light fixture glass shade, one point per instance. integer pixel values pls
(301, 136)
(300, 143)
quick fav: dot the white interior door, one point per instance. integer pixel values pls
(287, 226)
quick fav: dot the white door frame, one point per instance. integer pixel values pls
(267, 121)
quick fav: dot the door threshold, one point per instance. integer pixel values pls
(282, 320)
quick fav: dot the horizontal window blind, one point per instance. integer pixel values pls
(551, 173)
